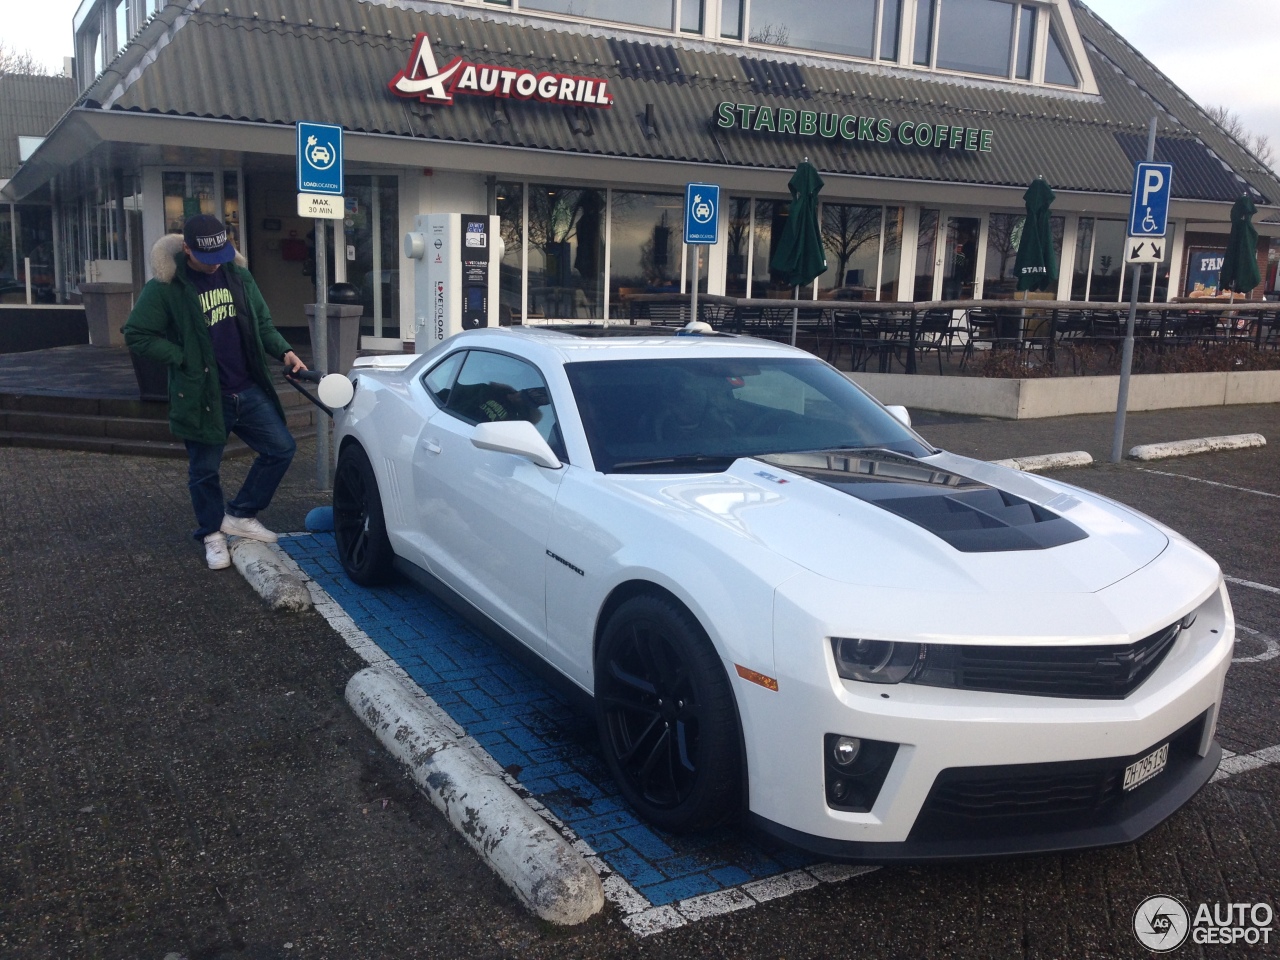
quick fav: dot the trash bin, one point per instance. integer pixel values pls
(106, 308)
(344, 335)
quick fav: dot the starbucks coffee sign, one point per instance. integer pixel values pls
(762, 119)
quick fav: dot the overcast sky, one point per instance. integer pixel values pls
(1219, 52)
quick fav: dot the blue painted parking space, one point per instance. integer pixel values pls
(538, 737)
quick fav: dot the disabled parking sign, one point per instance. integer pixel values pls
(701, 212)
(319, 158)
(1149, 210)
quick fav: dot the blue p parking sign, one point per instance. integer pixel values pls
(319, 158)
(1149, 210)
(701, 212)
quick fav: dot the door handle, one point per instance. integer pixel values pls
(432, 445)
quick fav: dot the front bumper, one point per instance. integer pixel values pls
(949, 736)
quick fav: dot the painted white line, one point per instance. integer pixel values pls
(1271, 647)
(1234, 764)
(1251, 585)
(1212, 483)
(639, 915)
(1048, 461)
(1182, 448)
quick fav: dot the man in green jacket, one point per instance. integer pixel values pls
(204, 316)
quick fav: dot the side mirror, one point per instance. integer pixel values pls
(900, 414)
(518, 437)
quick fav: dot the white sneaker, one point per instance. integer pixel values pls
(248, 527)
(215, 551)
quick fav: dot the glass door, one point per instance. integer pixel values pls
(959, 272)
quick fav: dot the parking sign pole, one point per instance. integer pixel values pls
(320, 352)
(1126, 361)
(693, 282)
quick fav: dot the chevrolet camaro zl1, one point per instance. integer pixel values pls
(785, 603)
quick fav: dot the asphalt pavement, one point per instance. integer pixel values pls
(183, 779)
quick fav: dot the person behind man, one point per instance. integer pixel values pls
(204, 316)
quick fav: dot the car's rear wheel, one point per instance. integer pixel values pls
(666, 716)
(358, 525)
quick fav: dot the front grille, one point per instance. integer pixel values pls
(1036, 797)
(1093, 673)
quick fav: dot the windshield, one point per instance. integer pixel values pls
(668, 415)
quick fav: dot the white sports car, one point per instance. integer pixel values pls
(786, 603)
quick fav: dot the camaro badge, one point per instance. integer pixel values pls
(421, 78)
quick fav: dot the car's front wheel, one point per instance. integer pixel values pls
(358, 525)
(666, 716)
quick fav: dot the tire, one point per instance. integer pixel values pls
(666, 716)
(358, 524)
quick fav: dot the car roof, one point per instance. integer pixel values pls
(569, 347)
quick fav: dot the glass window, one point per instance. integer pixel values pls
(731, 19)
(1084, 257)
(851, 236)
(231, 205)
(372, 231)
(771, 218)
(691, 16)
(510, 197)
(185, 195)
(645, 246)
(566, 253)
(636, 412)
(1160, 288)
(925, 10)
(439, 378)
(926, 252)
(1026, 42)
(1004, 236)
(644, 13)
(891, 262)
(1108, 260)
(493, 387)
(738, 238)
(846, 27)
(976, 36)
(1057, 67)
(122, 24)
(890, 29)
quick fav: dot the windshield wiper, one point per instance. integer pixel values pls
(689, 460)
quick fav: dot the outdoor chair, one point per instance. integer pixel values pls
(991, 329)
(936, 331)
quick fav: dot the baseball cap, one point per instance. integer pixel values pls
(207, 238)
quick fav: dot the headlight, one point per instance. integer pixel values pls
(876, 661)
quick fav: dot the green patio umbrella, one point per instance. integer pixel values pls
(800, 257)
(1240, 266)
(1037, 265)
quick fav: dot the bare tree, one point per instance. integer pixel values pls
(13, 60)
(776, 34)
(846, 229)
(1231, 122)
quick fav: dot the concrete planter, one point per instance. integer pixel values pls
(1064, 396)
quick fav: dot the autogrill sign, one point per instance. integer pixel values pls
(423, 80)
(754, 118)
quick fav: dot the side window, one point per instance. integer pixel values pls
(439, 379)
(494, 386)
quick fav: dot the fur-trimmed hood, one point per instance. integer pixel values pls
(164, 263)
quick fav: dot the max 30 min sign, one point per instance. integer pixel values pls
(756, 118)
(422, 79)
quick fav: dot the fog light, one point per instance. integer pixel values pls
(846, 751)
(839, 790)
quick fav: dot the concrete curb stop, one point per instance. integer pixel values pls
(545, 872)
(1182, 448)
(259, 564)
(1048, 461)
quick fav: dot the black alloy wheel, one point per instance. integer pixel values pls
(666, 716)
(358, 524)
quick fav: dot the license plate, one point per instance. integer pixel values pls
(1139, 773)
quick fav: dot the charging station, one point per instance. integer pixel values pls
(455, 276)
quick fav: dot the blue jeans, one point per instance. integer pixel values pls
(253, 418)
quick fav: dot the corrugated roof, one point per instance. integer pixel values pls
(29, 107)
(276, 61)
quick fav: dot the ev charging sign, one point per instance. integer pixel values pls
(319, 158)
(1149, 211)
(701, 212)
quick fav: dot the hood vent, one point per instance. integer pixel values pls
(971, 516)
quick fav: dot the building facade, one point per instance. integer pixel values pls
(578, 122)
